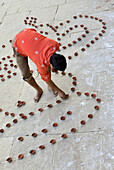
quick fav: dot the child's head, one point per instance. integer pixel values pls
(58, 61)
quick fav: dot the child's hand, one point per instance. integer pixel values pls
(63, 95)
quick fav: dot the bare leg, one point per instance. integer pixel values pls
(27, 76)
(39, 90)
(54, 92)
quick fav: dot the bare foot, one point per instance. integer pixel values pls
(38, 96)
(54, 92)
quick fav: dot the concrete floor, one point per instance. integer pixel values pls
(91, 146)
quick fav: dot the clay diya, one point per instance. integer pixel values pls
(3, 58)
(80, 16)
(50, 105)
(85, 28)
(103, 31)
(8, 125)
(68, 21)
(104, 23)
(75, 17)
(3, 46)
(1, 130)
(104, 27)
(91, 17)
(100, 20)
(87, 32)
(69, 45)
(79, 39)
(56, 27)
(86, 94)
(72, 89)
(74, 83)
(9, 160)
(86, 16)
(96, 107)
(73, 130)
(63, 118)
(90, 116)
(87, 45)
(74, 42)
(70, 74)
(14, 73)
(31, 113)
(96, 38)
(64, 136)
(81, 25)
(92, 41)
(34, 135)
(100, 34)
(69, 112)
(69, 57)
(96, 18)
(79, 93)
(70, 28)
(12, 114)
(53, 141)
(82, 49)
(24, 117)
(40, 110)
(67, 31)
(3, 79)
(59, 39)
(32, 152)
(76, 26)
(61, 24)
(63, 73)
(44, 131)
(21, 156)
(98, 100)
(42, 147)
(83, 122)
(6, 113)
(11, 65)
(15, 121)
(21, 139)
(1, 75)
(15, 66)
(55, 125)
(9, 71)
(58, 101)
(0, 110)
(63, 34)
(5, 64)
(64, 47)
(74, 78)
(5, 68)
(76, 54)
(83, 35)
(57, 34)
(93, 95)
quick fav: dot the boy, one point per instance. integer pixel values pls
(42, 51)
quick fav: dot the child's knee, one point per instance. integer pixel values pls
(27, 77)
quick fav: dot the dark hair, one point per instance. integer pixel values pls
(58, 61)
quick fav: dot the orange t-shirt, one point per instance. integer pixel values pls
(38, 48)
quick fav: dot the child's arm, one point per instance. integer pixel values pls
(55, 88)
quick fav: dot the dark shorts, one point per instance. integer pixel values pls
(22, 63)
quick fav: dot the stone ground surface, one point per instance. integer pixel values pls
(91, 146)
